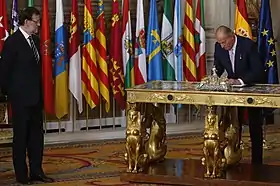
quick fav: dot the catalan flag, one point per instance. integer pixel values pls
(266, 43)
(47, 67)
(242, 26)
(101, 53)
(61, 65)
(127, 50)
(89, 63)
(189, 64)
(14, 20)
(115, 65)
(75, 84)
(154, 45)
(140, 65)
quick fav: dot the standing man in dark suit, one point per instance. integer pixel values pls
(240, 58)
(21, 78)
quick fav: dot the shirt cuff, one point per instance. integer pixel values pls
(240, 80)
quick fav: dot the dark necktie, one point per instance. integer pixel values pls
(34, 49)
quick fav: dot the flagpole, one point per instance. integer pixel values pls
(45, 121)
(114, 114)
(73, 113)
(59, 126)
(100, 112)
(177, 114)
(87, 117)
(30, 3)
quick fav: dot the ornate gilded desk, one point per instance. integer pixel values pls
(187, 93)
(3, 110)
(221, 142)
(5, 133)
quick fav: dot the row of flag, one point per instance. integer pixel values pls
(179, 52)
(83, 69)
(176, 54)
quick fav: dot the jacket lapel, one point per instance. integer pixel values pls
(25, 44)
(24, 41)
(238, 55)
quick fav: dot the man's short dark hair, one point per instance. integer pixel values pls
(225, 30)
(27, 13)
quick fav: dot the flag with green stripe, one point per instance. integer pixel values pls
(167, 42)
(30, 3)
(127, 50)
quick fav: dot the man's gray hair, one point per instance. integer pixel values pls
(225, 30)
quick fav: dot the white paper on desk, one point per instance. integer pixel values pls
(238, 86)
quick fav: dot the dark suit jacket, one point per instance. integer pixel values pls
(20, 74)
(248, 65)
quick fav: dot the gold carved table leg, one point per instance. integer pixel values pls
(232, 137)
(221, 147)
(142, 147)
(3, 113)
(5, 133)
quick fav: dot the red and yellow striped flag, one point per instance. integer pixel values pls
(101, 53)
(189, 65)
(242, 26)
(89, 65)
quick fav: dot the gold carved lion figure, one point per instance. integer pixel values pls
(155, 147)
(213, 159)
(232, 152)
(134, 142)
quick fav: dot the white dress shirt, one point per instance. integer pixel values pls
(231, 54)
(26, 35)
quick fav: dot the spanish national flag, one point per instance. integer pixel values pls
(242, 26)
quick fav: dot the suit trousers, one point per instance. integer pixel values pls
(28, 135)
(256, 132)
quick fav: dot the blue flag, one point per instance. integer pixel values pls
(153, 45)
(266, 43)
(14, 20)
(177, 41)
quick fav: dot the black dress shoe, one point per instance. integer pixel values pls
(23, 181)
(42, 178)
